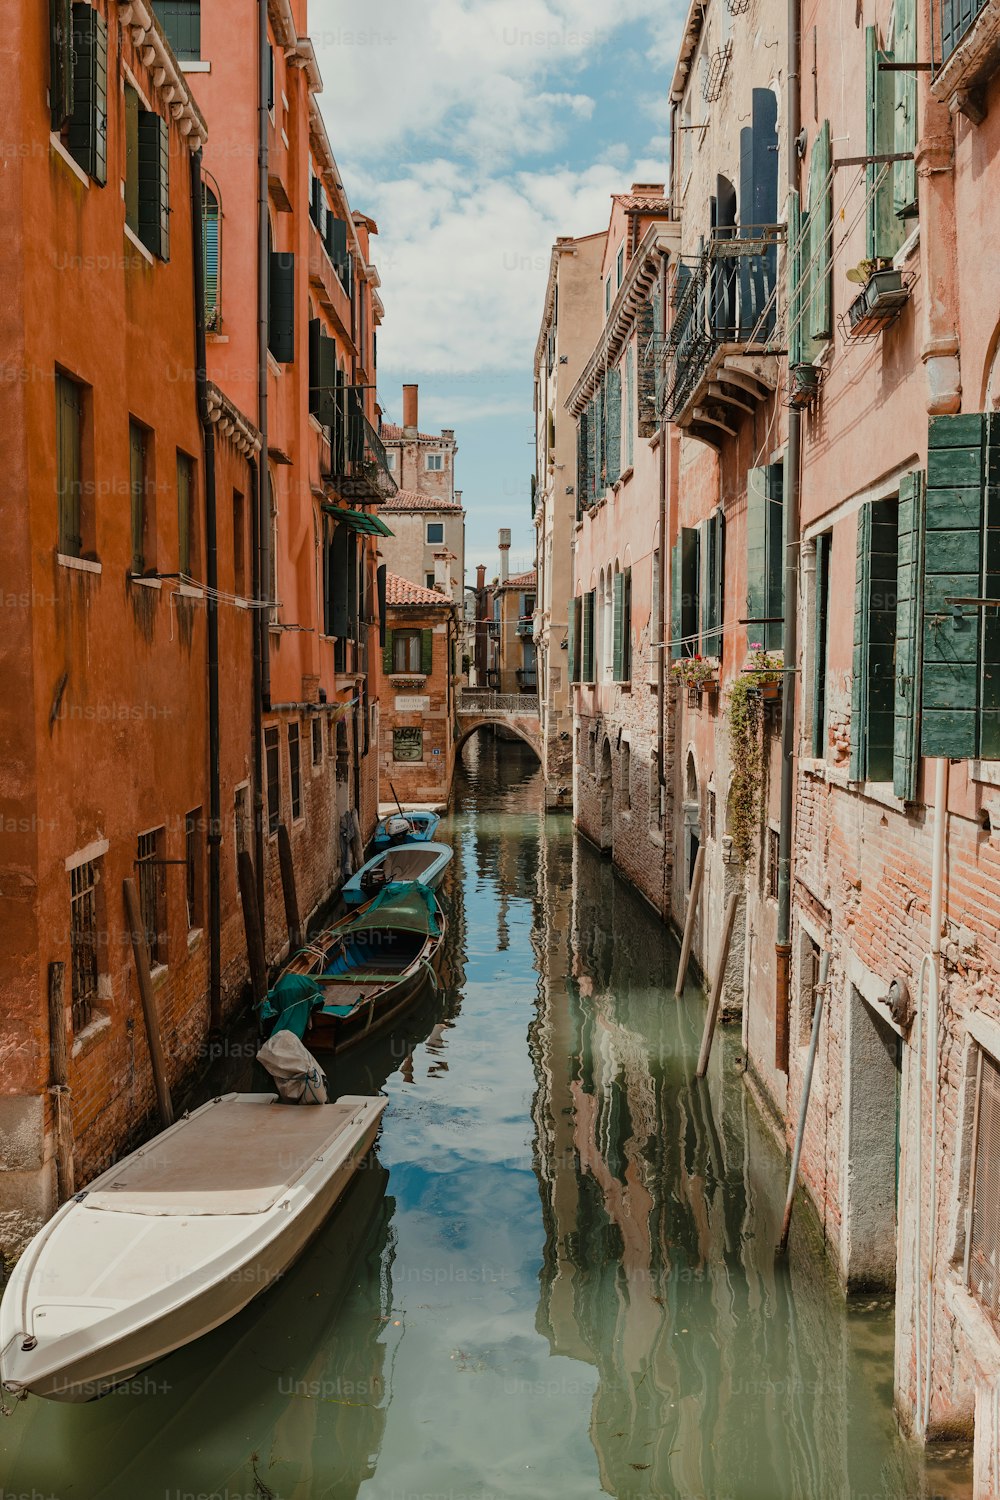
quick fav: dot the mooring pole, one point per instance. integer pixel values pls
(819, 1000)
(141, 954)
(715, 1001)
(251, 924)
(59, 1086)
(693, 894)
(288, 889)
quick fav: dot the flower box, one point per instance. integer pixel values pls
(878, 304)
(803, 384)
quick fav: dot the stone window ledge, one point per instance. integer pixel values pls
(90, 1034)
(81, 564)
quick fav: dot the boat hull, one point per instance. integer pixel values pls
(421, 863)
(74, 1372)
(339, 1034)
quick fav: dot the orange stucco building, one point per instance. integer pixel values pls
(416, 687)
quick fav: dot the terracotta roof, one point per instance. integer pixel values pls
(644, 202)
(412, 500)
(402, 591)
(522, 580)
(391, 432)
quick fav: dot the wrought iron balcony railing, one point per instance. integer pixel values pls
(725, 303)
(359, 466)
(526, 625)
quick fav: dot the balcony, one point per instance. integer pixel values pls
(965, 53)
(720, 357)
(526, 625)
(359, 467)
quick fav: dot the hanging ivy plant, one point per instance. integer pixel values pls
(746, 750)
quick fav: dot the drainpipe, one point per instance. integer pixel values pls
(263, 273)
(212, 608)
(257, 711)
(661, 571)
(783, 945)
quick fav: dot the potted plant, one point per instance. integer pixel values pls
(882, 294)
(803, 384)
(698, 672)
(764, 671)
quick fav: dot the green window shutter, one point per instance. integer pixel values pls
(859, 686)
(181, 23)
(60, 62)
(676, 588)
(618, 603)
(137, 479)
(211, 224)
(339, 612)
(69, 424)
(690, 595)
(87, 134)
(582, 449)
(885, 233)
(904, 173)
(322, 374)
(335, 239)
(958, 455)
(819, 322)
(131, 158)
(711, 546)
(281, 306)
(572, 634)
(629, 408)
(906, 740)
(154, 183)
(185, 513)
(820, 636)
(793, 273)
(758, 506)
(588, 636)
(614, 425)
(627, 626)
(426, 652)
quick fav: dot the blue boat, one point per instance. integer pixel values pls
(395, 868)
(406, 828)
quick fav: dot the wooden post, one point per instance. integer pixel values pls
(251, 923)
(695, 892)
(819, 1000)
(712, 1017)
(59, 1086)
(141, 955)
(288, 889)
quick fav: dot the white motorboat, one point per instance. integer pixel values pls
(175, 1239)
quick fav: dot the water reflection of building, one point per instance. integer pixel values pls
(718, 1373)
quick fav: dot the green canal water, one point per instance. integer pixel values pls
(557, 1279)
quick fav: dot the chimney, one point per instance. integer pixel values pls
(458, 496)
(410, 407)
(647, 189)
(480, 577)
(442, 572)
(504, 554)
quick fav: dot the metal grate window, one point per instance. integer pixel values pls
(153, 894)
(83, 942)
(317, 740)
(272, 756)
(773, 848)
(983, 1250)
(295, 770)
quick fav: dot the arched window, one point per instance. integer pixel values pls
(211, 234)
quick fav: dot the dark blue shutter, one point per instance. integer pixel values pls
(87, 133)
(340, 618)
(281, 306)
(60, 62)
(154, 183)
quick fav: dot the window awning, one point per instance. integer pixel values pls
(358, 521)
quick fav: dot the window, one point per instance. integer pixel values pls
(211, 239)
(982, 1250)
(79, 84)
(281, 307)
(711, 548)
(773, 861)
(434, 463)
(429, 580)
(193, 876)
(143, 499)
(187, 520)
(69, 465)
(408, 653)
(84, 941)
(711, 813)
(955, 18)
(147, 175)
(607, 297)
(873, 681)
(181, 22)
(151, 871)
(407, 744)
(891, 127)
(316, 728)
(390, 460)
(766, 556)
(589, 611)
(620, 268)
(272, 757)
(685, 588)
(574, 638)
(655, 623)
(243, 821)
(810, 258)
(239, 544)
(628, 409)
(626, 776)
(622, 626)
(821, 637)
(435, 533)
(295, 770)
(808, 980)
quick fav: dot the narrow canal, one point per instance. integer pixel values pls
(557, 1281)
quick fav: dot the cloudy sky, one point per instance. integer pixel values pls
(475, 132)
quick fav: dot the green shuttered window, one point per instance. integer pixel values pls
(281, 306)
(873, 681)
(909, 627)
(211, 233)
(766, 556)
(187, 519)
(960, 696)
(622, 626)
(885, 230)
(712, 549)
(69, 463)
(589, 602)
(613, 421)
(87, 121)
(821, 635)
(685, 585)
(181, 23)
(137, 481)
(322, 374)
(153, 197)
(573, 636)
(904, 173)
(60, 62)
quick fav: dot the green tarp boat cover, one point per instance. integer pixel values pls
(410, 908)
(291, 1003)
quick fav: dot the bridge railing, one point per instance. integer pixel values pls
(485, 701)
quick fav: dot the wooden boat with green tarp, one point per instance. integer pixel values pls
(357, 976)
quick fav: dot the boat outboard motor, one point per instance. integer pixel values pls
(297, 1075)
(398, 829)
(373, 879)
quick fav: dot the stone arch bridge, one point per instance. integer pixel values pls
(516, 712)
